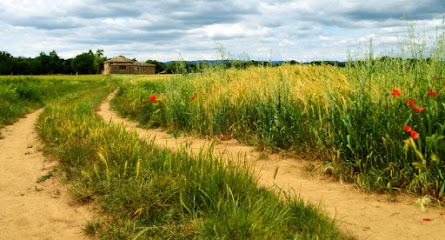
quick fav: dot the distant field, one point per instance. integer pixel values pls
(55, 77)
(136, 78)
(22, 94)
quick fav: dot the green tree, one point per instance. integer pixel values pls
(180, 67)
(84, 63)
(5, 63)
(99, 60)
(292, 62)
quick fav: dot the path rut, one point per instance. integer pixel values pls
(366, 216)
(31, 210)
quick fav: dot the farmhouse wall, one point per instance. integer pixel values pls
(120, 65)
(144, 68)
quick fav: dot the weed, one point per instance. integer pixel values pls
(47, 176)
(92, 227)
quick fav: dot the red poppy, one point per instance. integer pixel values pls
(407, 128)
(441, 214)
(159, 95)
(419, 109)
(153, 98)
(433, 94)
(414, 134)
(410, 102)
(426, 219)
(395, 92)
(193, 96)
(203, 94)
(165, 99)
(143, 105)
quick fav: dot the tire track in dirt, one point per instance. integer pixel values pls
(366, 216)
(31, 210)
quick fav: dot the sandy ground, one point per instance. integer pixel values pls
(366, 216)
(31, 210)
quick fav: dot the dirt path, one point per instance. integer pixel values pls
(367, 216)
(30, 210)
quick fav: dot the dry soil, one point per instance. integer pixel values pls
(31, 210)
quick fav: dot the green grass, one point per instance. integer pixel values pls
(348, 116)
(150, 193)
(20, 95)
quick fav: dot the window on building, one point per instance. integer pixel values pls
(122, 67)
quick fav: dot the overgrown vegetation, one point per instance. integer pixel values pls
(152, 193)
(378, 122)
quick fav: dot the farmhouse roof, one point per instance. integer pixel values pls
(125, 61)
(119, 60)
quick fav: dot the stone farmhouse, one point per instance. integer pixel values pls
(120, 65)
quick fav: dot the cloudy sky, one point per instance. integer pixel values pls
(166, 30)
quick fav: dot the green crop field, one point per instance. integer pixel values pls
(378, 122)
(22, 94)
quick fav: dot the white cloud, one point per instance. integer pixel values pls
(290, 29)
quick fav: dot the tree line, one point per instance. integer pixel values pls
(84, 63)
(51, 63)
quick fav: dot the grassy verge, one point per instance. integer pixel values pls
(149, 193)
(379, 122)
(20, 95)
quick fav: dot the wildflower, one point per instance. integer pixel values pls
(433, 94)
(426, 219)
(203, 94)
(143, 105)
(395, 92)
(165, 99)
(414, 134)
(193, 96)
(407, 128)
(152, 98)
(410, 102)
(441, 214)
(419, 109)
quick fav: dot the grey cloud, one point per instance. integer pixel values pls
(47, 23)
(126, 37)
(107, 11)
(382, 14)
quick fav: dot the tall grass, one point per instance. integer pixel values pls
(152, 193)
(20, 95)
(351, 116)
